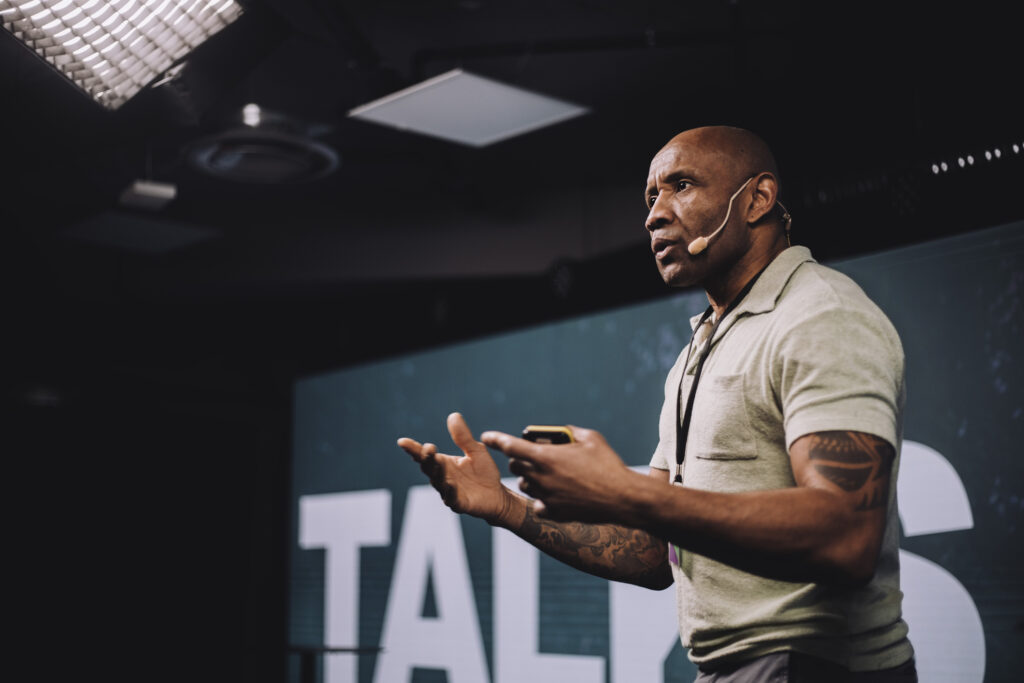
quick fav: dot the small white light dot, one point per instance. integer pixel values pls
(944, 165)
(970, 160)
(935, 169)
(1016, 149)
(251, 115)
(998, 153)
(961, 161)
(988, 155)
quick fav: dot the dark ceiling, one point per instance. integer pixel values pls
(414, 233)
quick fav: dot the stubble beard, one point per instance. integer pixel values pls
(680, 274)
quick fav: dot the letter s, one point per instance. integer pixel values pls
(945, 627)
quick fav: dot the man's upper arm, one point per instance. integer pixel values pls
(841, 392)
(840, 370)
(855, 466)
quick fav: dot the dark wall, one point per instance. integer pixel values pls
(151, 465)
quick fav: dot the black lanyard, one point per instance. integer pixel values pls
(683, 426)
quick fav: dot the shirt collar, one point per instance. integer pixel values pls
(769, 286)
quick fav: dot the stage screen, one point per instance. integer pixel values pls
(377, 560)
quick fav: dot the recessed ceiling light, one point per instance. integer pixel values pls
(468, 109)
(113, 49)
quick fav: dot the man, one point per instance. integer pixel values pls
(770, 500)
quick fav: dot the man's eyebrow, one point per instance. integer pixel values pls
(670, 179)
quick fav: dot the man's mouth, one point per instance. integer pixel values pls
(661, 245)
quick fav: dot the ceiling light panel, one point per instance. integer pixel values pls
(112, 49)
(467, 108)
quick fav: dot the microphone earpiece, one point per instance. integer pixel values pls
(697, 246)
(788, 219)
(701, 243)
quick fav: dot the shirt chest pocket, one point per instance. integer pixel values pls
(720, 428)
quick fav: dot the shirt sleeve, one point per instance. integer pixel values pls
(841, 370)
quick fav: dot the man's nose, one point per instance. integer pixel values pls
(659, 215)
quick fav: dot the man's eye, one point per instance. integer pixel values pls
(650, 201)
(682, 185)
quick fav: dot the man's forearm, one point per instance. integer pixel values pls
(828, 528)
(610, 551)
(794, 534)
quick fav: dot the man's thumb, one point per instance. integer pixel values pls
(461, 434)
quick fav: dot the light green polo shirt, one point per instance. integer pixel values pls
(806, 351)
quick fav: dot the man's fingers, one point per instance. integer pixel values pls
(517, 466)
(514, 447)
(427, 459)
(430, 468)
(531, 488)
(461, 434)
(412, 447)
(427, 456)
(429, 452)
(584, 435)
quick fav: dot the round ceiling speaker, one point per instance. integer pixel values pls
(253, 155)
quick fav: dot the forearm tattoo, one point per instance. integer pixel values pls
(856, 462)
(606, 550)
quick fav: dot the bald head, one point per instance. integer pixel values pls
(739, 153)
(722, 155)
(712, 206)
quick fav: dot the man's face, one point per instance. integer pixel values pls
(687, 194)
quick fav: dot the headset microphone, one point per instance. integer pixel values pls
(701, 243)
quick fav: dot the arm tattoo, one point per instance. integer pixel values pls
(855, 462)
(605, 550)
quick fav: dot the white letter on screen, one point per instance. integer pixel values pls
(945, 627)
(644, 630)
(516, 627)
(431, 544)
(341, 523)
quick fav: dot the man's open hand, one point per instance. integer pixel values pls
(470, 483)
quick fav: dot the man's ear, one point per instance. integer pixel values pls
(766, 189)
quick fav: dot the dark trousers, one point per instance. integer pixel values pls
(793, 667)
